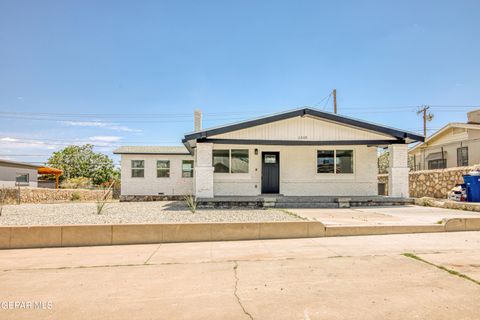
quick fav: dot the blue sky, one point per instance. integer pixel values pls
(132, 72)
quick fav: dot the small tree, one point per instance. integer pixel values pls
(82, 161)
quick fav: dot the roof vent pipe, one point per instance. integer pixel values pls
(197, 120)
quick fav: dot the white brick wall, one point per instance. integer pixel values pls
(150, 184)
(298, 173)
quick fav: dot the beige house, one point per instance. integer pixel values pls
(14, 173)
(455, 145)
(302, 152)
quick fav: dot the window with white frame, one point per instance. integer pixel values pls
(230, 161)
(163, 168)
(187, 169)
(138, 168)
(22, 179)
(335, 161)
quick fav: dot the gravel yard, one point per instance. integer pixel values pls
(131, 212)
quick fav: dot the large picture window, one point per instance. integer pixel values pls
(221, 161)
(240, 161)
(230, 161)
(335, 161)
(138, 168)
(344, 161)
(187, 169)
(462, 157)
(325, 161)
(163, 168)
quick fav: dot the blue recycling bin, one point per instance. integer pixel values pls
(473, 188)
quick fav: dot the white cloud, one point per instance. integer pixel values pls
(8, 139)
(105, 138)
(99, 124)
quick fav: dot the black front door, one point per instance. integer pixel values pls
(270, 172)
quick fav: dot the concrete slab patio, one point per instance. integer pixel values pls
(371, 216)
(318, 278)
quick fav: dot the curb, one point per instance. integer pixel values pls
(17, 237)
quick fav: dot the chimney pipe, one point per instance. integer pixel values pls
(197, 120)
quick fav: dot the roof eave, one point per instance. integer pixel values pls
(302, 112)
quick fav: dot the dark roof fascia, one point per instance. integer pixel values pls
(157, 153)
(365, 125)
(187, 145)
(245, 124)
(303, 142)
(301, 112)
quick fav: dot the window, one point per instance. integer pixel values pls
(462, 156)
(240, 161)
(187, 169)
(437, 164)
(344, 161)
(163, 168)
(138, 168)
(22, 179)
(221, 161)
(335, 161)
(270, 158)
(325, 161)
(230, 161)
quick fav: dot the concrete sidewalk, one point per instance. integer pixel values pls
(392, 215)
(319, 278)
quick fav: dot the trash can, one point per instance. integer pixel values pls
(473, 187)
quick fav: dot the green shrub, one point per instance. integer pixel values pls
(76, 183)
(75, 196)
(191, 203)
(101, 203)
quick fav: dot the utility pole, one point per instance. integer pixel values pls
(426, 117)
(334, 100)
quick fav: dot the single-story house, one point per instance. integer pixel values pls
(302, 152)
(455, 145)
(14, 173)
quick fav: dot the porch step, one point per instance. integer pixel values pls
(306, 205)
(286, 202)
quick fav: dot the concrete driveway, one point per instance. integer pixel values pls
(392, 215)
(318, 278)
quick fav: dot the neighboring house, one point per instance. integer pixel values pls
(455, 145)
(304, 152)
(17, 173)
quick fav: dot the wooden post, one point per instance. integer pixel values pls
(56, 181)
(334, 100)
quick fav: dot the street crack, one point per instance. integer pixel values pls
(235, 292)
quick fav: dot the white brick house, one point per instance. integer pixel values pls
(303, 152)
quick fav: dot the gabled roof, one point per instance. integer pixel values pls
(397, 133)
(450, 125)
(173, 150)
